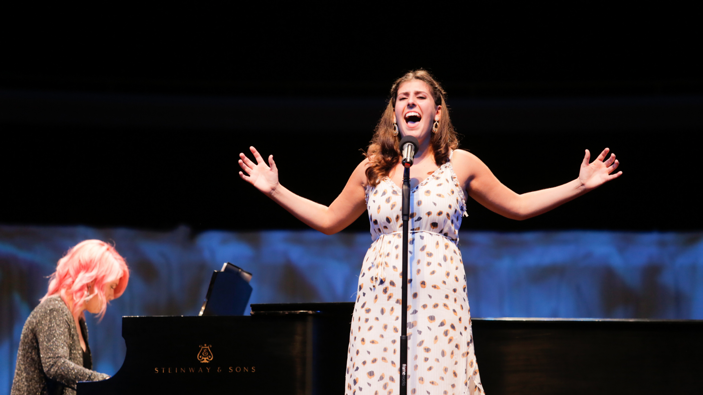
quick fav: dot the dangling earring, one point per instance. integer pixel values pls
(395, 129)
(435, 127)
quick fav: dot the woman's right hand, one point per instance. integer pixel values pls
(263, 177)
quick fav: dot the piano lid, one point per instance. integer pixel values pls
(344, 309)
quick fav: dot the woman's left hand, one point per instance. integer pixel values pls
(600, 171)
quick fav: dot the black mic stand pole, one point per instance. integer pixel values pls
(404, 279)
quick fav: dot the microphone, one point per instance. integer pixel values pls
(408, 147)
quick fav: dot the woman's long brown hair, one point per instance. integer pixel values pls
(384, 151)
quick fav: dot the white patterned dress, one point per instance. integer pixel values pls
(441, 356)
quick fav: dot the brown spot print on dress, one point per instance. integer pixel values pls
(447, 214)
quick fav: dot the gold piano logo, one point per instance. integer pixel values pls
(205, 354)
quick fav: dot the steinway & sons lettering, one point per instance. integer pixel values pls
(205, 369)
(205, 356)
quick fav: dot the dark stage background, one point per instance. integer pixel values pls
(128, 122)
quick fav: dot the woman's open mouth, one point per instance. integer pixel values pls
(412, 118)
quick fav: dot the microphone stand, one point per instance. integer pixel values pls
(404, 279)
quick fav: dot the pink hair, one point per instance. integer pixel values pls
(90, 262)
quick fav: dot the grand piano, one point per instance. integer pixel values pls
(301, 349)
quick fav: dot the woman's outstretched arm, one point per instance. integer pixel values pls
(485, 188)
(346, 208)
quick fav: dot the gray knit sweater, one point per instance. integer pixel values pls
(50, 358)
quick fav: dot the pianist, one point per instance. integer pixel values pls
(54, 354)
